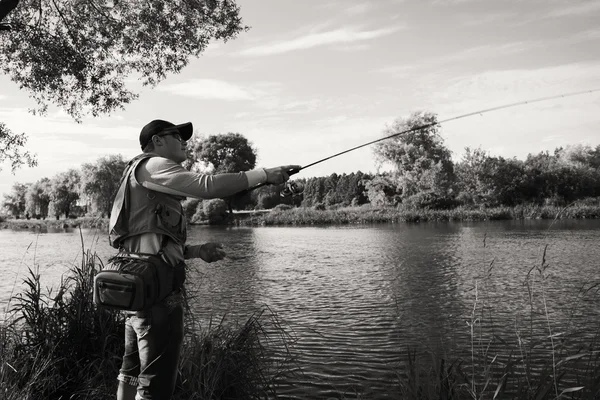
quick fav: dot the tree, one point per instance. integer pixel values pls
(14, 202)
(223, 153)
(382, 190)
(79, 54)
(6, 6)
(64, 192)
(100, 182)
(37, 198)
(10, 149)
(422, 164)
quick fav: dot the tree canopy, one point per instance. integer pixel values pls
(231, 152)
(423, 166)
(79, 54)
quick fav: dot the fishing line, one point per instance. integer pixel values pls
(291, 189)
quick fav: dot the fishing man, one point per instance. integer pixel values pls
(147, 218)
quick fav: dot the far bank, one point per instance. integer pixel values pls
(339, 216)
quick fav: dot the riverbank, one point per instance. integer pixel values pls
(44, 225)
(346, 215)
(370, 215)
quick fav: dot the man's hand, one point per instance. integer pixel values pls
(209, 252)
(281, 174)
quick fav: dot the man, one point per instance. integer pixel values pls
(147, 217)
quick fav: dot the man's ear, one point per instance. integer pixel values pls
(157, 140)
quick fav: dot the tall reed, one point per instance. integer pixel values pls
(539, 362)
(58, 344)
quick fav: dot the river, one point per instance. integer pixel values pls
(356, 298)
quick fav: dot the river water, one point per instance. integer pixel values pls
(357, 298)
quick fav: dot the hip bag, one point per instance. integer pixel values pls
(134, 281)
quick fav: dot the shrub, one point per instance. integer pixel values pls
(282, 207)
(215, 211)
(190, 207)
(319, 207)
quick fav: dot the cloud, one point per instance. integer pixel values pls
(396, 71)
(487, 51)
(583, 8)
(507, 86)
(208, 89)
(584, 36)
(338, 36)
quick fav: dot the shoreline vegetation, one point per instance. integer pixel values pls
(58, 344)
(366, 214)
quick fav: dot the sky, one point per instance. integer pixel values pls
(313, 78)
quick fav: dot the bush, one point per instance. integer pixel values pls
(268, 200)
(190, 206)
(319, 207)
(282, 207)
(215, 211)
(199, 216)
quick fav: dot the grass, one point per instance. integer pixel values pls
(369, 215)
(59, 345)
(52, 223)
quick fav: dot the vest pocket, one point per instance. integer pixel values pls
(169, 219)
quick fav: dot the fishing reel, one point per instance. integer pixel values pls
(292, 189)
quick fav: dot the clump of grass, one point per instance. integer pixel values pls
(243, 362)
(58, 344)
(537, 363)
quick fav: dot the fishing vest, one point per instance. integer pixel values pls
(138, 210)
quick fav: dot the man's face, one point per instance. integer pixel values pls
(173, 147)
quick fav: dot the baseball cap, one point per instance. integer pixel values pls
(159, 126)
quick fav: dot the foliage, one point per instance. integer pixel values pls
(37, 199)
(64, 192)
(282, 207)
(100, 182)
(81, 54)
(190, 206)
(10, 149)
(215, 211)
(335, 189)
(382, 190)
(421, 162)
(223, 153)
(14, 202)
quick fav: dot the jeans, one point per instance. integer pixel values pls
(153, 340)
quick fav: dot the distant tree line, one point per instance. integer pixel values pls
(421, 175)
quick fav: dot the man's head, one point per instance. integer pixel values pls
(166, 139)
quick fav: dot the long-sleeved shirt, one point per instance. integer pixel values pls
(167, 176)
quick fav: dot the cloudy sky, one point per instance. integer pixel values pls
(313, 78)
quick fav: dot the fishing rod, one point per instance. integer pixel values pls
(293, 188)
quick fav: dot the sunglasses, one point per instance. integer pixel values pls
(175, 134)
